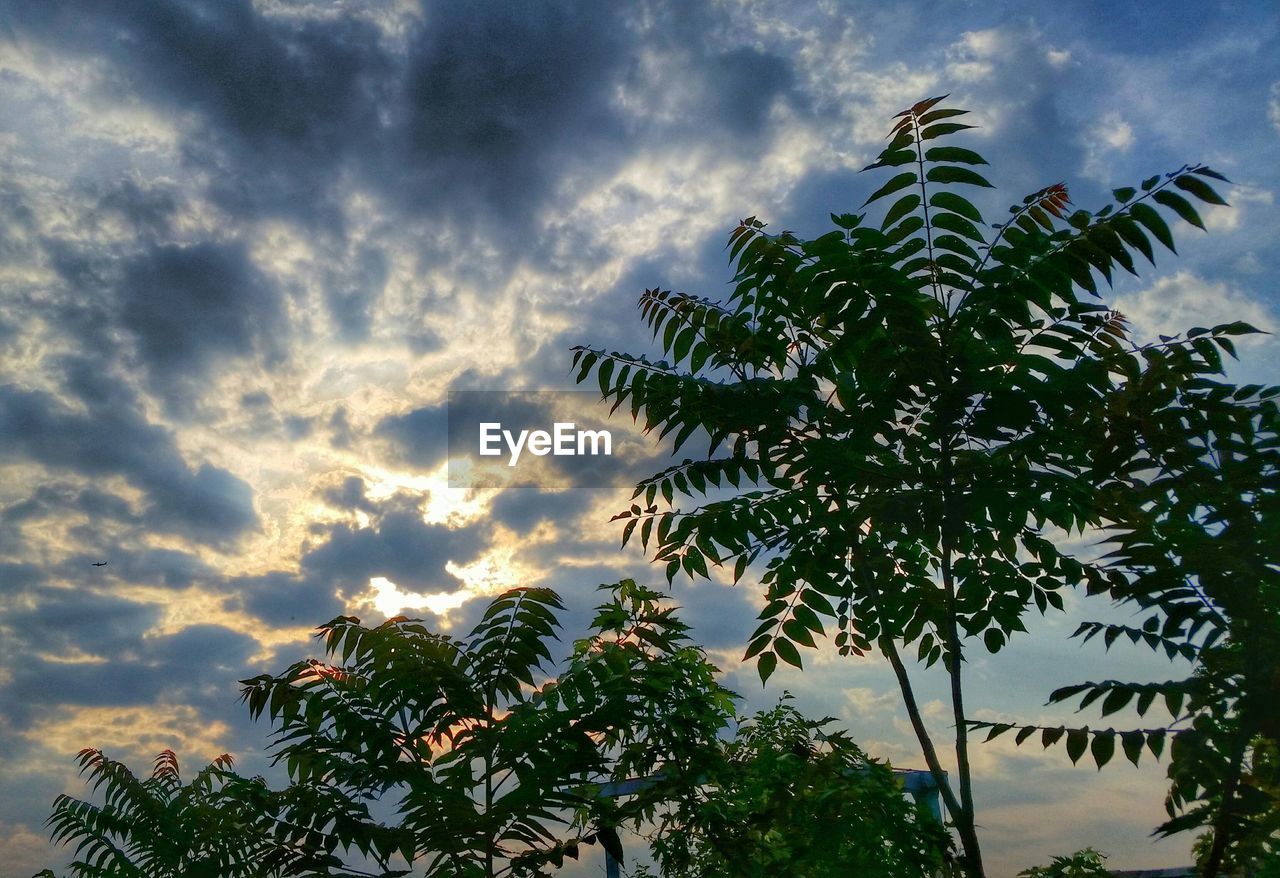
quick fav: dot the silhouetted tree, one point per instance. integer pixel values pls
(907, 413)
(491, 764)
(159, 827)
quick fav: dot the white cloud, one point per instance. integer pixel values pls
(25, 851)
(863, 700)
(1174, 304)
(1218, 218)
(1111, 135)
(1273, 109)
(972, 57)
(1058, 57)
(1115, 132)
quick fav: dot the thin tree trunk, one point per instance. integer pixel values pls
(890, 649)
(965, 820)
(1221, 825)
(965, 823)
(960, 810)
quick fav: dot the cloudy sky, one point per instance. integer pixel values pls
(248, 247)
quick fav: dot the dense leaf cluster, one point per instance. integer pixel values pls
(1192, 525)
(490, 760)
(160, 827)
(786, 796)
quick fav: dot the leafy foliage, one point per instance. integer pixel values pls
(786, 798)
(1087, 863)
(1256, 852)
(902, 413)
(1192, 524)
(492, 767)
(159, 827)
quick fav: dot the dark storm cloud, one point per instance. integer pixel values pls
(419, 437)
(197, 666)
(341, 431)
(498, 98)
(148, 208)
(286, 598)
(398, 545)
(349, 495)
(476, 116)
(524, 509)
(742, 85)
(56, 500)
(343, 557)
(280, 101)
(352, 299)
(207, 646)
(189, 306)
(205, 503)
(17, 577)
(68, 620)
(88, 381)
(169, 568)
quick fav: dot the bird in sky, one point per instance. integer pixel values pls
(99, 563)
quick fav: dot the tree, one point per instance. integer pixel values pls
(900, 416)
(785, 797)
(1193, 517)
(159, 827)
(1087, 863)
(492, 767)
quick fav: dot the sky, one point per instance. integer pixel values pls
(248, 248)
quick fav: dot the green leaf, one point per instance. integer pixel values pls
(901, 208)
(698, 359)
(684, 341)
(901, 181)
(1131, 742)
(942, 129)
(1077, 743)
(766, 665)
(793, 629)
(1180, 206)
(1154, 223)
(955, 223)
(1127, 229)
(1116, 699)
(1103, 748)
(952, 174)
(956, 204)
(892, 159)
(1200, 189)
(953, 154)
(787, 652)
(936, 115)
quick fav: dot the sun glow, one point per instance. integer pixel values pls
(441, 504)
(390, 600)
